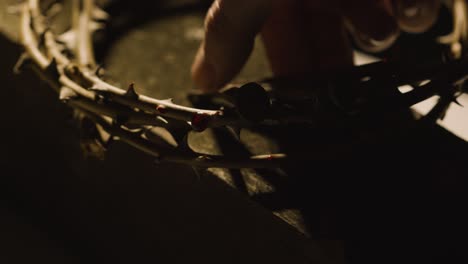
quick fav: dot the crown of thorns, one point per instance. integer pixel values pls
(66, 62)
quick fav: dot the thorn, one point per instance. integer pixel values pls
(455, 100)
(22, 61)
(235, 131)
(66, 94)
(95, 26)
(131, 93)
(161, 109)
(68, 38)
(169, 100)
(99, 70)
(100, 14)
(162, 120)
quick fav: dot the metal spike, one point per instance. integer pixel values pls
(131, 93)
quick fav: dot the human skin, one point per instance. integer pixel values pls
(301, 36)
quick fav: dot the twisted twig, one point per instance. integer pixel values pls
(113, 108)
(130, 117)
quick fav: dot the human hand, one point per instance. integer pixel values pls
(301, 36)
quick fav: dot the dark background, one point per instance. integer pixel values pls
(390, 193)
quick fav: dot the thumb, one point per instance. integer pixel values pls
(230, 30)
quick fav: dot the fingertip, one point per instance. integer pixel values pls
(230, 30)
(203, 72)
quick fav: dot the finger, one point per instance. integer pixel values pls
(231, 27)
(371, 23)
(416, 16)
(302, 37)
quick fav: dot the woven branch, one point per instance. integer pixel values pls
(128, 116)
(111, 107)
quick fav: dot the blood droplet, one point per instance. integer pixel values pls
(161, 109)
(200, 122)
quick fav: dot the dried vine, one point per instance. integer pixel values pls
(114, 109)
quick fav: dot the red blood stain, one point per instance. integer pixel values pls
(161, 109)
(200, 122)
